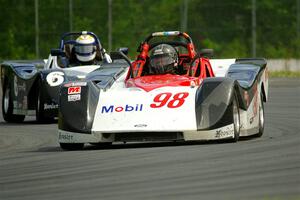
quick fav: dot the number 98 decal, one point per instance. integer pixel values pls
(55, 78)
(170, 100)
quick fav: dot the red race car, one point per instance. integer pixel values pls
(169, 93)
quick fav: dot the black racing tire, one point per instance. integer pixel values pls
(39, 106)
(7, 106)
(71, 146)
(102, 144)
(236, 118)
(261, 123)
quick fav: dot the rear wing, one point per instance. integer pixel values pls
(254, 61)
(249, 72)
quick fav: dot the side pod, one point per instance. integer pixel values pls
(77, 106)
(213, 102)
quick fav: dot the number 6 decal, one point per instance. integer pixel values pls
(166, 98)
(55, 78)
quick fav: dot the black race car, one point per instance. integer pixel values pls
(32, 87)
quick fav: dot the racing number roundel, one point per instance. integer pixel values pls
(170, 100)
(55, 78)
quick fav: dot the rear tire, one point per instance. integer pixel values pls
(39, 107)
(102, 144)
(261, 123)
(71, 146)
(236, 118)
(7, 107)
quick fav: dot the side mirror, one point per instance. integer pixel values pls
(57, 52)
(208, 53)
(123, 50)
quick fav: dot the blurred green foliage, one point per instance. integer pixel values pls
(223, 25)
(284, 74)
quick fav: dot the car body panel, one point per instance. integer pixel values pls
(136, 106)
(137, 110)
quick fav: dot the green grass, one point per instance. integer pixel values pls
(288, 74)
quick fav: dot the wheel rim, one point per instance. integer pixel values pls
(6, 101)
(236, 118)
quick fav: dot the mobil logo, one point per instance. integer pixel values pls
(125, 108)
(74, 90)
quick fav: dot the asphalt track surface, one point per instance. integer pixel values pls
(32, 166)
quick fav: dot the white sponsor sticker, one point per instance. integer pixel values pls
(74, 97)
(75, 84)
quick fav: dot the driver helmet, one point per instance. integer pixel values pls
(163, 59)
(85, 49)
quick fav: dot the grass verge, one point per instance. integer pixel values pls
(288, 74)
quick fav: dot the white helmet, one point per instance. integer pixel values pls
(85, 49)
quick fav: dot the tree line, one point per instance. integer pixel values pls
(223, 25)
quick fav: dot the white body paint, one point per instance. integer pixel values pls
(221, 66)
(129, 113)
(112, 119)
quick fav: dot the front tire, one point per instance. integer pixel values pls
(71, 146)
(7, 107)
(39, 106)
(261, 122)
(236, 118)
(102, 144)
